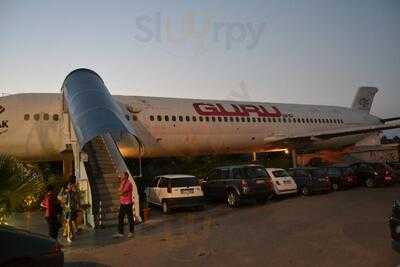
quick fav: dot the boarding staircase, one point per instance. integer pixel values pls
(104, 182)
(94, 125)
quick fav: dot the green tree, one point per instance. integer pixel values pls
(21, 185)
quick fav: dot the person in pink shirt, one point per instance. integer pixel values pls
(126, 201)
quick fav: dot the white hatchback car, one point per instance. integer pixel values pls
(282, 182)
(175, 191)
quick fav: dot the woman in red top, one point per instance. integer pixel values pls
(50, 204)
(125, 209)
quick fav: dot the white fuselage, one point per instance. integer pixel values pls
(33, 126)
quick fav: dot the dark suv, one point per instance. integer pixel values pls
(373, 174)
(238, 182)
(310, 180)
(341, 177)
(394, 224)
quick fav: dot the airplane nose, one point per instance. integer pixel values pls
(2, 109)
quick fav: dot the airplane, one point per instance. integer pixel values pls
(34, 126)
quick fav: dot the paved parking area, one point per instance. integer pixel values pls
(347, 228)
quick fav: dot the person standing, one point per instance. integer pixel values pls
(51, 206)
(126, 203)
(71, 209)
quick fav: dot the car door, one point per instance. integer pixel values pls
(223, 181)
(210, 185)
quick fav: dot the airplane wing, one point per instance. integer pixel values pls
(328, 134)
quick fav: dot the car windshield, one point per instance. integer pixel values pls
(280, 173)
(380, 168)
(256, 172)
(184, 182)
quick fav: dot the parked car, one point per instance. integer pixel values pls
(373, 174)
(394, 224)
(282, 182)
(23, 248)
(310, 180)
(238, 182)
(175, 191)
(341, 177)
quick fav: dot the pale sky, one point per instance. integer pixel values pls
(315, 52)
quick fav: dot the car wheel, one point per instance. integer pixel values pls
(165, 207)
(335, 187)
(232, 199)
(305, 191)
(369, 183)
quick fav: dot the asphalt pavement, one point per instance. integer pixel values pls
(346, 228)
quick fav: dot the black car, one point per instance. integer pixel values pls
(373, 174)
(310, 180)
(341, 176)
(394, 224)
(238, 182)
(23, 248)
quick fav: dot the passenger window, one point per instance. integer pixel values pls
(259, 119)
(237, 119)
(225, 174)
(254, 119)
(269, 120)
(163, 183)
(55, 117)
(200, 118)
(231, 119)
(219, 119)
(46, 117)
(273, 119)
(180, 118)
(225, 119)
(173, 118)
(243, 119)
(127, 117)
(36, 117)
(159, 118)
(26, 117)
(166, 118)
(187, 118)
(152, 118)
(248, 119)
(213, 119)
(207, 119)
(237, 173)
(279, 120)
(134, 118)
(194, 118)
(264, 119)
